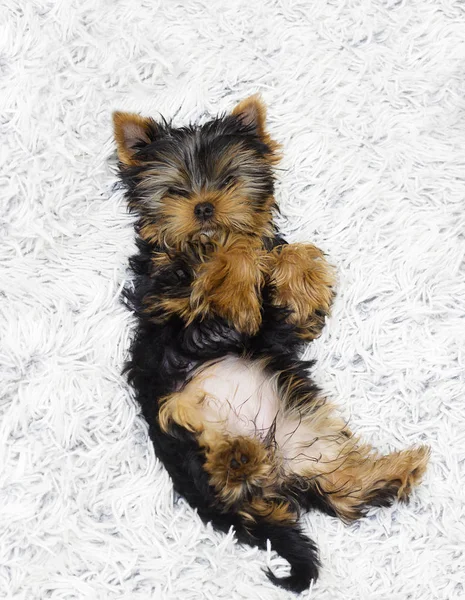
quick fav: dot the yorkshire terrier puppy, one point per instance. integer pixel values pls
(224, 307)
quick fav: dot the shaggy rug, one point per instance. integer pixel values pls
(367, 98)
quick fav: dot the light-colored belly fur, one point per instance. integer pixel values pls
(253, 440)
(240, 398)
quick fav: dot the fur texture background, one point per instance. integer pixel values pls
(367, 98)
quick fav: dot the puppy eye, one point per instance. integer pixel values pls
(175, 191)
(227, 181)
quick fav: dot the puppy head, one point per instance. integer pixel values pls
(201, 181)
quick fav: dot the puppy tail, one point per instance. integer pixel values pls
(300, 552)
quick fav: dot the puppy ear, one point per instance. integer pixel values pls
(252, 113)
(132, 133)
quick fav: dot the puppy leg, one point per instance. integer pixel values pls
(366, 479)
(228, 284)
(241, 469)
(302, 281)
(348, 475)
(171, 277)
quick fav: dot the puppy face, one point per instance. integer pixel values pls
(202, 181)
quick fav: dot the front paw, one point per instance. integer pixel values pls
(303, 282)
(229, 285)
(240, 306)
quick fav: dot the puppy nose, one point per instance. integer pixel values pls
(204, 210)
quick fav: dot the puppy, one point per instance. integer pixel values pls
(224, 306)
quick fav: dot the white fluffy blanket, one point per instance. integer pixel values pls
(367, 98)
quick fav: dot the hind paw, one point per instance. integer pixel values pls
(236, 465)
(417, 463)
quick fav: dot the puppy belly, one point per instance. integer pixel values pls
(240, 397)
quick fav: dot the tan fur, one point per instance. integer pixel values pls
(149, 232)
(229, 284)
(270, 509)
(232, 214)
(161, 308)
(183, 408)
(303, 282)
(176, 224)
(360, 475)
